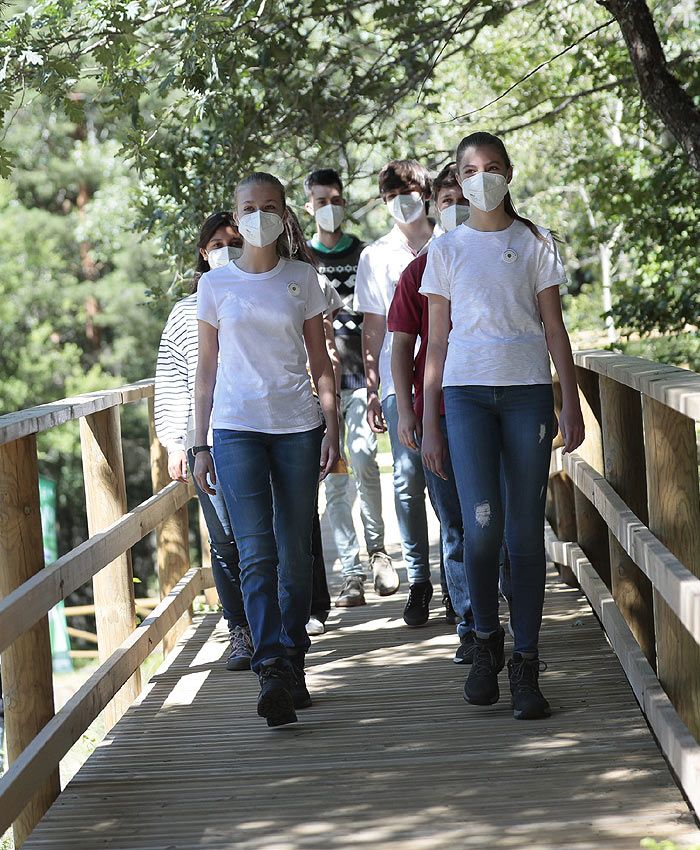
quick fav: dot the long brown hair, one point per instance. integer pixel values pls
(488, 140)
(291, 244)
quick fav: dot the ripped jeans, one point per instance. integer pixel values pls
(513, 427)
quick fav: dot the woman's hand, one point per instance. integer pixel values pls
(177, 465)
(330, 452)
(572, 428)
(203, 466)
(434, 451)
(410, 430)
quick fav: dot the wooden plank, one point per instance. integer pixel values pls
(14, 426)
(172, 535)
(42, 755)
(27, 678)
(674, 518)
(676, 741)
(591, 532)
(623, 449)
(31, 601)
(676, 388)
(679, 588)
(105, 500)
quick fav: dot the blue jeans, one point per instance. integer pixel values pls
(445, 502)
(269, 483)
(409, 499)
(224, 553)
(361, 447)
(509, 426)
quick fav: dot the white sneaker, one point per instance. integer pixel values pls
(386, 579)
(315, 626)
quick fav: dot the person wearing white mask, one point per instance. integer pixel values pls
(218, 243)
(405, 188)
(272, 438)
(337, 254)
(493, 290)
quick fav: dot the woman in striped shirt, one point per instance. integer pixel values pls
(219, 241)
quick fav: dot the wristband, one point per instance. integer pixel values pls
(196, 449)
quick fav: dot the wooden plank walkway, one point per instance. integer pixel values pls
(389, 756)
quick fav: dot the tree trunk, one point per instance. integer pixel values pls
(659, 87)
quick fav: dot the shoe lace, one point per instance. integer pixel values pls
(525, 673)
(484, 660)
(380, 559)
(241, 642)
(417, 594)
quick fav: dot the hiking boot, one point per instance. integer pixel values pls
(526, 697)
(300, 694)
(466, 649)
(481, 687)
(241, 648)
(417, 611)
(352, 593)
(386, 579)
(450, 613)
(275, 702)
(315, 626)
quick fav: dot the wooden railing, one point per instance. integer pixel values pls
(37, 737)
(624, 522)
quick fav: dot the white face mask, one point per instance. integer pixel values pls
(220, 257)
(485, 190)
(260, 228)
(453, 216)
(330, 217)
(406, 208)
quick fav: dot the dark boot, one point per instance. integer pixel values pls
(275, 702)
(527, 699)
(481, 687)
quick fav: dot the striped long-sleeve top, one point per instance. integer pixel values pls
(176, 369)
(175, 373)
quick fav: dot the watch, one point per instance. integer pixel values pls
(196, 449)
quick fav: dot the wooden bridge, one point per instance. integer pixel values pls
(389, 756)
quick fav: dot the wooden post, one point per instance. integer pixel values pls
(105, 499)
(564, 515)
(27, 678)
(674, 517)
(210, 593)
(172, 535)
(592, 531)
(625, 469)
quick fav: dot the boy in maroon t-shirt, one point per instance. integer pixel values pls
(408, 319)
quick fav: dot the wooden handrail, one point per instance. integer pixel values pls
(637, 530)
(43, 417)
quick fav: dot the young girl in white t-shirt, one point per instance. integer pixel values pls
(261, 318)
(494, 280)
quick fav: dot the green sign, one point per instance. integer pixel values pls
(60, 642)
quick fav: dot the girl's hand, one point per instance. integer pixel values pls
(434, 451)
(572, 428)
(177, 465)
(410, 430)
(203, 466)
(330, 452)
(375, 417)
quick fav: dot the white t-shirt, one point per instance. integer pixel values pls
(492, 280)
(378, 273)
(261, 382)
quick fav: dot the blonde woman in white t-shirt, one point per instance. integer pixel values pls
(493, 290)
(261, 317)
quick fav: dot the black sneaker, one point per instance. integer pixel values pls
(481, 687)
(416, 612)
(450, 613)
(527, 699)
(241, 648)
(466, 649)
(300, 694)
(275, 702)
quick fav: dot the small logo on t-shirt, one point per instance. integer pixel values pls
(510, 256)
(294, 289)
